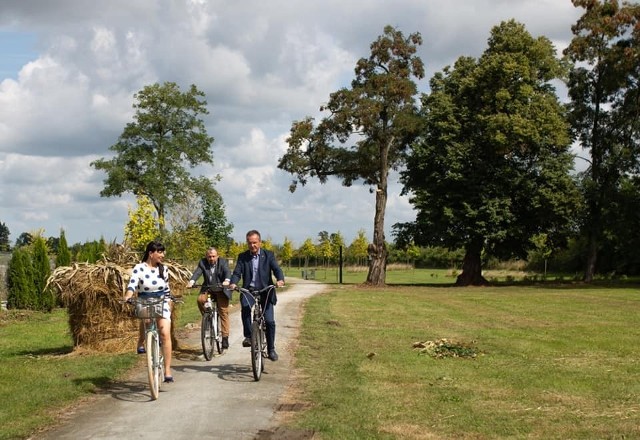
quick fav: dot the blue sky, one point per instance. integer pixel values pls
(69, 70)
(17, 49)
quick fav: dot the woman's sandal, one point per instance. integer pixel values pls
(141, 350)
(168, 379)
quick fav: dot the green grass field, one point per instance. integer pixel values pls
(552, 362)
(40, 373)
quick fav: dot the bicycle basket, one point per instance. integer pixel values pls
(149, 308)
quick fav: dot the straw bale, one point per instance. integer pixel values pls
(92, 294)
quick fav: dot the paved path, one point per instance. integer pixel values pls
(218, 399)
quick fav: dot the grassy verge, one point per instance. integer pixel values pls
(553, 363)
(40, 374)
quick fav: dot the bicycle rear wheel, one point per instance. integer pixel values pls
(207, 334)
(154, 367)
(256, 350)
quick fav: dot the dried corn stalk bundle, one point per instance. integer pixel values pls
(92, 295)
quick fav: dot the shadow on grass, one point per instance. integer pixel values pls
(48, 352)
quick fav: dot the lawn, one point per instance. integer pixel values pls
(40, 373)
(534, 362)
(551, 363)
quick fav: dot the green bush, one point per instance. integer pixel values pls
(20, 281)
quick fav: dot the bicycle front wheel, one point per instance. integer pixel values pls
(207, 334)
(154, 367)
(256, 350)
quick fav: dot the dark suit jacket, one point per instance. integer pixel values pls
(223, 272)
(266, 266)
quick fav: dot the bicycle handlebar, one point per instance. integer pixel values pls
(209, 286)
(137, 300)
(255, 292)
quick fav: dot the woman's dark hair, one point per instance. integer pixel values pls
(154, 246)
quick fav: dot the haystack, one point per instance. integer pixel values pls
(92, 294)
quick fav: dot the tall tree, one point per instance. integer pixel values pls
(4, 237)
(337, 243)
(142, 226)
(213, 220)
(24, 239)
(186, 241)
(235, 249)
(287, 251)
(358, 247)
(63, 257)
(153, 152)
(492, 166)
(367, 131)
(41, 272)
(604, 87)
(324, 248)
(307, 250)
(20, 280)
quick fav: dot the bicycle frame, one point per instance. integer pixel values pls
(149, 310)
(211, 335)
(258, 330)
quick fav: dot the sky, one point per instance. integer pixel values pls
(69, 70)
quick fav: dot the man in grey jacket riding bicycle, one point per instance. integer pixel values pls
(215, 270)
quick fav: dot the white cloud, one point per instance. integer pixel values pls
(261, 66)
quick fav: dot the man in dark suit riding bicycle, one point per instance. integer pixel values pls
(255, 266)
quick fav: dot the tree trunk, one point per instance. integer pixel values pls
(378, 249)
(592, 256)
(472, 268)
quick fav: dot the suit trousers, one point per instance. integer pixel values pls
(269, 317)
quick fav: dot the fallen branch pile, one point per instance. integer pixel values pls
(442, 348)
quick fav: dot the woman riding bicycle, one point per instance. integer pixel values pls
(151, 279)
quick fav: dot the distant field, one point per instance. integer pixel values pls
(403, 274)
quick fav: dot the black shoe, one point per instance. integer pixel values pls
(246, 342)
(225, 342)
(273, 355)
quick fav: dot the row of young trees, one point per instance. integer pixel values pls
(27, 274)
(32, 259)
